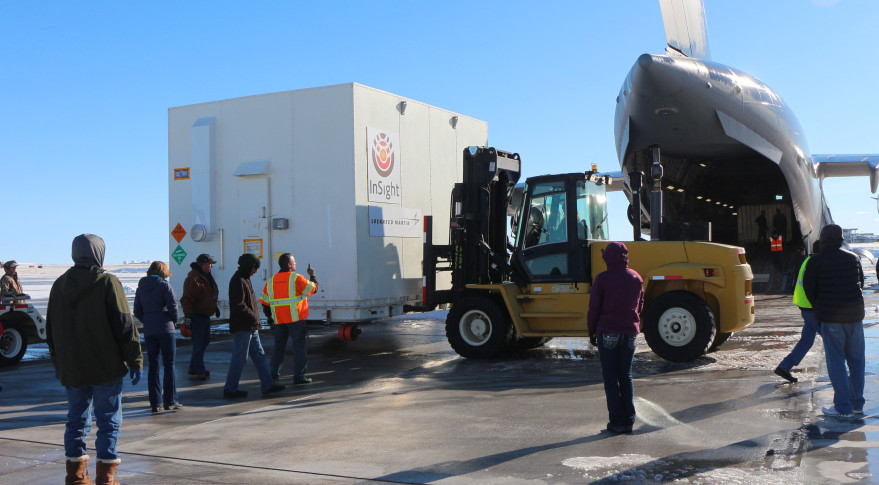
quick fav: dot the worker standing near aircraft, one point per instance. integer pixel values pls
(779, 222)
(199, 302)
(614, 321)
(833, 282)
(762, 227)
(285, 303)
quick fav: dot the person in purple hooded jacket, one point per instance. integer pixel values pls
(156, 307)
(614, 320)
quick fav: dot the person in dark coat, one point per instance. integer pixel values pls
(614, 321)
(156, 307)
(244, 325)
(833, 281)
(199, 302)
(93, 343)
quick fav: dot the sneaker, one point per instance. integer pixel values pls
(276, 380)
(275, 388)
(304, 380)
(234, 394)
(858, 411)
(173, 406)
(831, 411)
(785, 374)
(154, 409)
(203, 375)
(192, 372)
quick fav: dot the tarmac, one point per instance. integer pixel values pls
(399, 406)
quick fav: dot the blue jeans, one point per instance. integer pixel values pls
(298, 334)
(244, 343)
(201, 337)
(617, 351)
(844, 344)
(807, 338)
(162, 343)
(106, 401)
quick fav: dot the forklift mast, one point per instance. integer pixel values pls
(477, 249)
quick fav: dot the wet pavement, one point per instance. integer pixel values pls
(399, 406)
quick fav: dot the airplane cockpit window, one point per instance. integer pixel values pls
(591, 212)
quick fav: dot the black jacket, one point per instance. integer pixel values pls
(833, 280)
(243, 306)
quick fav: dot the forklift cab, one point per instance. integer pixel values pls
(558, 217)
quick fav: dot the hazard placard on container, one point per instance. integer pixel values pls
(179, 254)
(178, 233)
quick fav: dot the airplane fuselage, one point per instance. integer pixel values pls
(723, 136)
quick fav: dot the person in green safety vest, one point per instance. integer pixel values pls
(810, 327)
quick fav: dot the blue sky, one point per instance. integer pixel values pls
(85, 88)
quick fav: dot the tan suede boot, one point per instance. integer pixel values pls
(78, 471)
(105, 472)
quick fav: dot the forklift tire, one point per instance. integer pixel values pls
(719, 339)
(13, 344)
(679, 326)
(476, 328)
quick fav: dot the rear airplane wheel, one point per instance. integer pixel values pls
(477, 328)
(679, 326)
(13, 344)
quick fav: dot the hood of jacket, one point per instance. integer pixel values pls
(88, 252)
(78, 282)
(149, 283)
(831, 237)
(616, 255)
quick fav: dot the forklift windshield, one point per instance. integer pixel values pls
(591, 211)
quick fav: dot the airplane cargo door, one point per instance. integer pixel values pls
(254, 220)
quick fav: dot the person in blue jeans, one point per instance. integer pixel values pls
(156, 307)
(833, 282)
(810, 328)
(614, 321)
(244, 325)
(199, 302)
(93, 343)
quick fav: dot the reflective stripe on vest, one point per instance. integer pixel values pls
(775, 244)
(800, 299)
(286, 294)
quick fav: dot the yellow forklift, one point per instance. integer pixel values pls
(518, 291)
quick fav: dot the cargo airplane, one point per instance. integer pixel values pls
(729, 147)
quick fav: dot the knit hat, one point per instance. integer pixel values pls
(248, 262)
(831, 237)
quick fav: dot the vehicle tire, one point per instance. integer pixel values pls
(528, 343)
(679, 326)
(477, 328)
(13, 344)
(719, 339)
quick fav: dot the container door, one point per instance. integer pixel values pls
(254, 217)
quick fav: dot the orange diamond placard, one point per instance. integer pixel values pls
(178, 233)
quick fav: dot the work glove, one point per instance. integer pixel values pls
(270, 321)
(135, 375)
(311, 273)
(217, 313)
(593, 339)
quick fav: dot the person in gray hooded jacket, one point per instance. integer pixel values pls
(93, 343)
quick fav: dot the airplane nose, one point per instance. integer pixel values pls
(654, 75)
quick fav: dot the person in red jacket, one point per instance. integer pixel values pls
(614, 320)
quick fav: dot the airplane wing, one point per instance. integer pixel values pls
(685, 28)
(849, 166)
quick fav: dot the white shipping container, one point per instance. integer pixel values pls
(340, 176)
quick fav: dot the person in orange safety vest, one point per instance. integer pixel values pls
(285, 303)
(775, 243)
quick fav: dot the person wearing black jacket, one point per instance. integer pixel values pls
(833, 280)
(244, 325)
